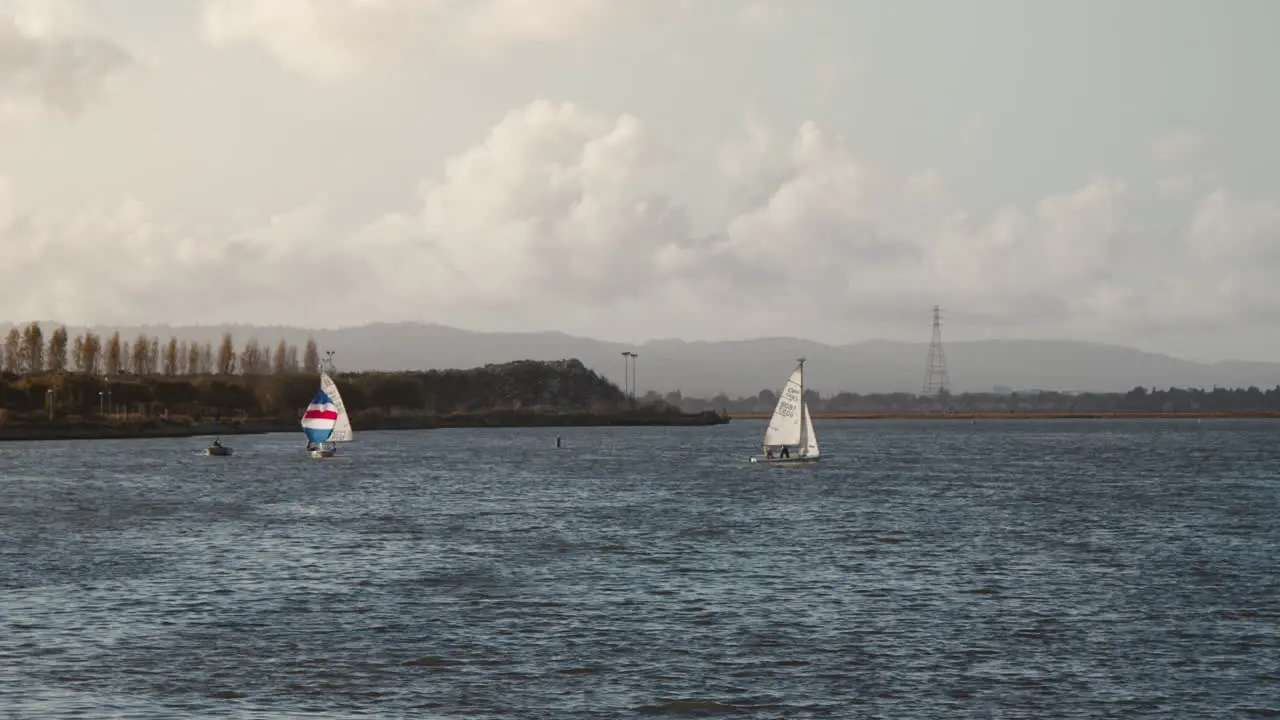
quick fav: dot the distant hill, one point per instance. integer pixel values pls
(747, 366)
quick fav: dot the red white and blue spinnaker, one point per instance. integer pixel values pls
(320, 418)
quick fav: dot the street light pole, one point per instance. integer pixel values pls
(48, 396)
(102, 403)
(626, 373)
(633, 375)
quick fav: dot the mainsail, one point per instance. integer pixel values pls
(787, 426)
(342, 426)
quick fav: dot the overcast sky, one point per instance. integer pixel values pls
(629, 170)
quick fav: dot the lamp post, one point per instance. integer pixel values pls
(633, 375)
(48, 396)
(626, 373)
(102, 403)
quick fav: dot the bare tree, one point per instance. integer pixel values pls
(32, 349)
(153, 356)
(206, 359)
(91, 362)
(142, 355)
(311, 357)
(193, 359)
(171, 357)
(56, 359)
(180, 359)
(127, 358)
(77, 353)
(291, 363)
(226, 356)
(279, 361)
(253, 360)
(13, 351)
(111, 362)
(85, 353)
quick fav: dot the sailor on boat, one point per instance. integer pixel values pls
(217, 442)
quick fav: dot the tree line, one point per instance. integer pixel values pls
(522, 385)
(1139, 399)
(27, 352)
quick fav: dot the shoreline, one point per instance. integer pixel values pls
(1116, 415)
(160, 428)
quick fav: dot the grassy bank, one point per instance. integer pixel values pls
(97, 428)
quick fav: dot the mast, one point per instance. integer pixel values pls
(804, 430)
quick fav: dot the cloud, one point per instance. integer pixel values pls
(972, 129)
(500, 23)
(51, 64)
(337, 39)
(763, 13)
(556, 203)
(327, 39)
(557, 218)
(1176, 148)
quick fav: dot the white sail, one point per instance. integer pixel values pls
(811, 439)
(786, 427)
(342, 430)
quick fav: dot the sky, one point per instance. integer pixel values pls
(640, 169)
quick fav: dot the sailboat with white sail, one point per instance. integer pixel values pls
(790, 438)
(325, 421)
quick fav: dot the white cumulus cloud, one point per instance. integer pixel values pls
(337, 39)
(557, 218)
(51, 64)
(555, 204)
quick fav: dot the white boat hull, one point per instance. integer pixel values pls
(322, 452)
(797, 460)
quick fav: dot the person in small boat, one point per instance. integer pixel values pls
(768, 453)
(217, 442)
(785, 452)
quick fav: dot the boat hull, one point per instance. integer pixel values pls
(218, 451)
(322, 452)
(798, 460)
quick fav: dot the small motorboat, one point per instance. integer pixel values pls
(218, 449)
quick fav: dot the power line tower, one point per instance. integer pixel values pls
(936, 381)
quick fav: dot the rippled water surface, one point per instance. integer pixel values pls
(927, 570)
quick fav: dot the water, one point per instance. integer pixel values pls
(1068, 569)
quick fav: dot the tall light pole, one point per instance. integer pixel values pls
(48, 395)
(633, 375)
(328, 360)
(626, 373)
(102, 402)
